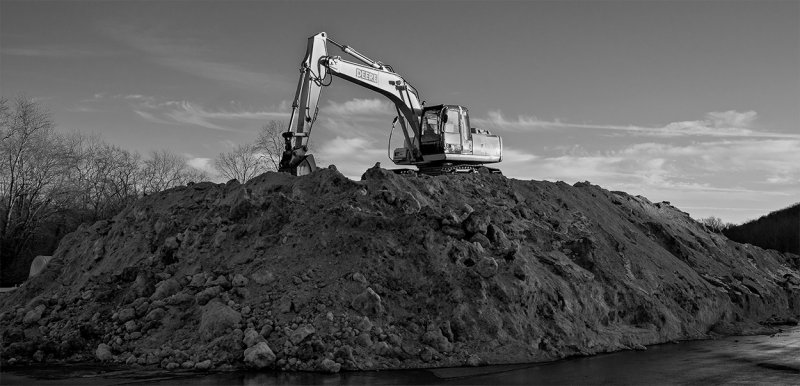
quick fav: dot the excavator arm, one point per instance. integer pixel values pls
(315, 72)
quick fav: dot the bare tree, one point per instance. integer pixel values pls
(192, 174)
(105, 177)
(165, 169)
(27, 129)
(34, 170)
(243, 163)
(714, 224)
(5, 116)
(270, 145)
(51, 182)
(123, 181)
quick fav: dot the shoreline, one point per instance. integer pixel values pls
(726, 350)
(741, 331)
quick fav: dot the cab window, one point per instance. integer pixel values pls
(430, 125)
(452, 124)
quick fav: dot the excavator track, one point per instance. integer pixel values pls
(449, 169)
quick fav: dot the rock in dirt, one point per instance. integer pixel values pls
(131, 326)
(166, 288)
(126, 314)
(239, 280)
(259, 356)
(364, 324)
(198, 280)
(207, 294)
(359, 277)
(103, 352)
(427, 354)
(368, 302)
(434, 338)
(216, 318)
(487, 267)
(363, 340)
(144, 285)
(155, 315)
(34, 315)
(262, 277)
(329, 366)
(251, 337)
(301, 333)
(203, 365)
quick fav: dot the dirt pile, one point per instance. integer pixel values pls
(323, 273)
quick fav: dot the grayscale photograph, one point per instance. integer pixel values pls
(389, 192)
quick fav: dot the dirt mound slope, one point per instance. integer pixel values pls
(324, 273)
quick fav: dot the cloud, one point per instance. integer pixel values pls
(721, 164)
(352, 118)
(227, 143)
(579, 168)
(517, 163)
(731, 118)
(370, 118)
(353, 134)
(189, 55)
(352, 156)
(755, 173)
(201, 163)
(359, 107)
(54, 52)
(223, 72)
(220, 119)
(522, 122)
(138, 100)
(223, 114)
(715, 124)
(152, 118)
(83, 109)
(518, 155)
(764, 160)
(98, 96)
(780, 179)
(174, 112)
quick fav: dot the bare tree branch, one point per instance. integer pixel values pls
(714, 224)
(165, 169)
(243, 163)
(35, 162)
(270, 145)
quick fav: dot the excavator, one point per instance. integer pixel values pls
(436, 139)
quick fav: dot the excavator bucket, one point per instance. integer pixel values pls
(307, 166)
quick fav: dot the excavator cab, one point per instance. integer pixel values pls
(446, 137)
(442, 129)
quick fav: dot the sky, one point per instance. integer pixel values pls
(692, 102)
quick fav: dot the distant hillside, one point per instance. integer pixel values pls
(779, 230)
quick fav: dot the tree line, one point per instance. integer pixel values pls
(778, 230)
(51, 182)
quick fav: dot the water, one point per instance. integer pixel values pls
(759, 359)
